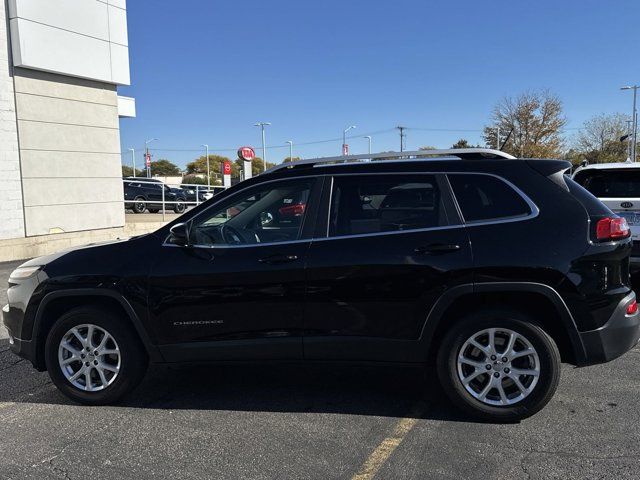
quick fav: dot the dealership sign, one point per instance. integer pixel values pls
(246, 153)
(226, 167)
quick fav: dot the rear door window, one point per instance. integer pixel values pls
(485, 197)
(619, 183)
(376, 204)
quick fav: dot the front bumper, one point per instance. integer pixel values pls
(17, 345)
(616, 337)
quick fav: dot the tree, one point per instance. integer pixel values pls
(164, 168)
(127, 171)
(532, 121)
(599, 139)
(463, 143)
(257, 165)
(199, 166)
(289, 159)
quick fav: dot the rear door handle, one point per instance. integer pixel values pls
(437, 249)
(278, 259)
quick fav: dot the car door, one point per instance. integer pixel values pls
(393, 244)
(237, 290)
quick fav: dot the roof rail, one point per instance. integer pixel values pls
(461, 153)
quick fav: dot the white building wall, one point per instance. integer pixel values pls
(11, 211)
(80, 38)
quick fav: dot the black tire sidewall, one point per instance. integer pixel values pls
(133, 362)
(545, 347)
(135, 206)
(179, 208)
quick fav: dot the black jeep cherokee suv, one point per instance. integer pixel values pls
(493, 268)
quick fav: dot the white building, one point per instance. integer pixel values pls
(61, 62)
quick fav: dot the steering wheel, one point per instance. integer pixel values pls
(236, 236)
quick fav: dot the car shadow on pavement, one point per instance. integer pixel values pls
(384, 391)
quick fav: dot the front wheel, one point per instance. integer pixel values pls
(94, 357)
(179, 207)
(499, 366)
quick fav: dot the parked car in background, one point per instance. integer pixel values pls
(141, 194)
(617, 185)
(204, 193)
(495, 269)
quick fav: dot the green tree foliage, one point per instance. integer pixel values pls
(599, 139)
(535, 120)
(289, 159)
(257, 165)
(164, 168)
(463, 143)
(127, 171)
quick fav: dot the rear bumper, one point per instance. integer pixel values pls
(616, 337)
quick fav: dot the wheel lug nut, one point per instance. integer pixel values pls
(488, 367)
(96, 353)
(506, 370)
(82, 355)
(87, 364)
(493, 357)
(88, 349)
(496, 374)
(95, 362)
(505, 359)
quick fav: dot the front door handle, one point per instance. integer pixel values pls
(437, 249)
(278, 259)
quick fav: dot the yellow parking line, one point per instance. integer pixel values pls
(386, 448)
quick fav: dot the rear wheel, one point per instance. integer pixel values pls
(499, 366)
(138, 205)
(94, 357)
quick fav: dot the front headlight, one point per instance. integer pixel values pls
(21, 273)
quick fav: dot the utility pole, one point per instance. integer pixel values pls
(368, 137)
(206, 149)
(264, 147)
(147, 156)
(498, 138)
(344, 140)
(634, 118)
(290, 142)
(402, 137)
(133, 159)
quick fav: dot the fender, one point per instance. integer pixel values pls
(447, 299)
(152, 350)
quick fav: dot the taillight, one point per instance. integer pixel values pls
(632, 308)
(292, 210)
(612, 228)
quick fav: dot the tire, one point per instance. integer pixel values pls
(131, 363)
(179, 208)
(137, 206)
(510, 401)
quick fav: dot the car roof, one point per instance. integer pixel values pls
(608, 166)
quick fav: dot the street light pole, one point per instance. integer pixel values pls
(290, 142)
(133, 159)
(344, 139)
(634, 118)
(368, 137)
(264, 143)
(146, 154)
(206, 149)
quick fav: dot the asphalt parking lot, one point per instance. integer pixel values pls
(311, 422)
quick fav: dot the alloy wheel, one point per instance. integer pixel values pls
(498, 366)
(89, 357)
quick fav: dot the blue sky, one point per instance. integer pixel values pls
(205, 71)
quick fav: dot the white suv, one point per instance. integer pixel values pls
(617, 185)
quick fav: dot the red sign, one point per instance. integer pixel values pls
(246, 153)
(148, 159)
(345, 149)
(226, 168)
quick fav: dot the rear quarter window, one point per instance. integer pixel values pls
(618, 183)
(484, 197)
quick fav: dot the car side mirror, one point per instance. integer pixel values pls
(179, 234)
